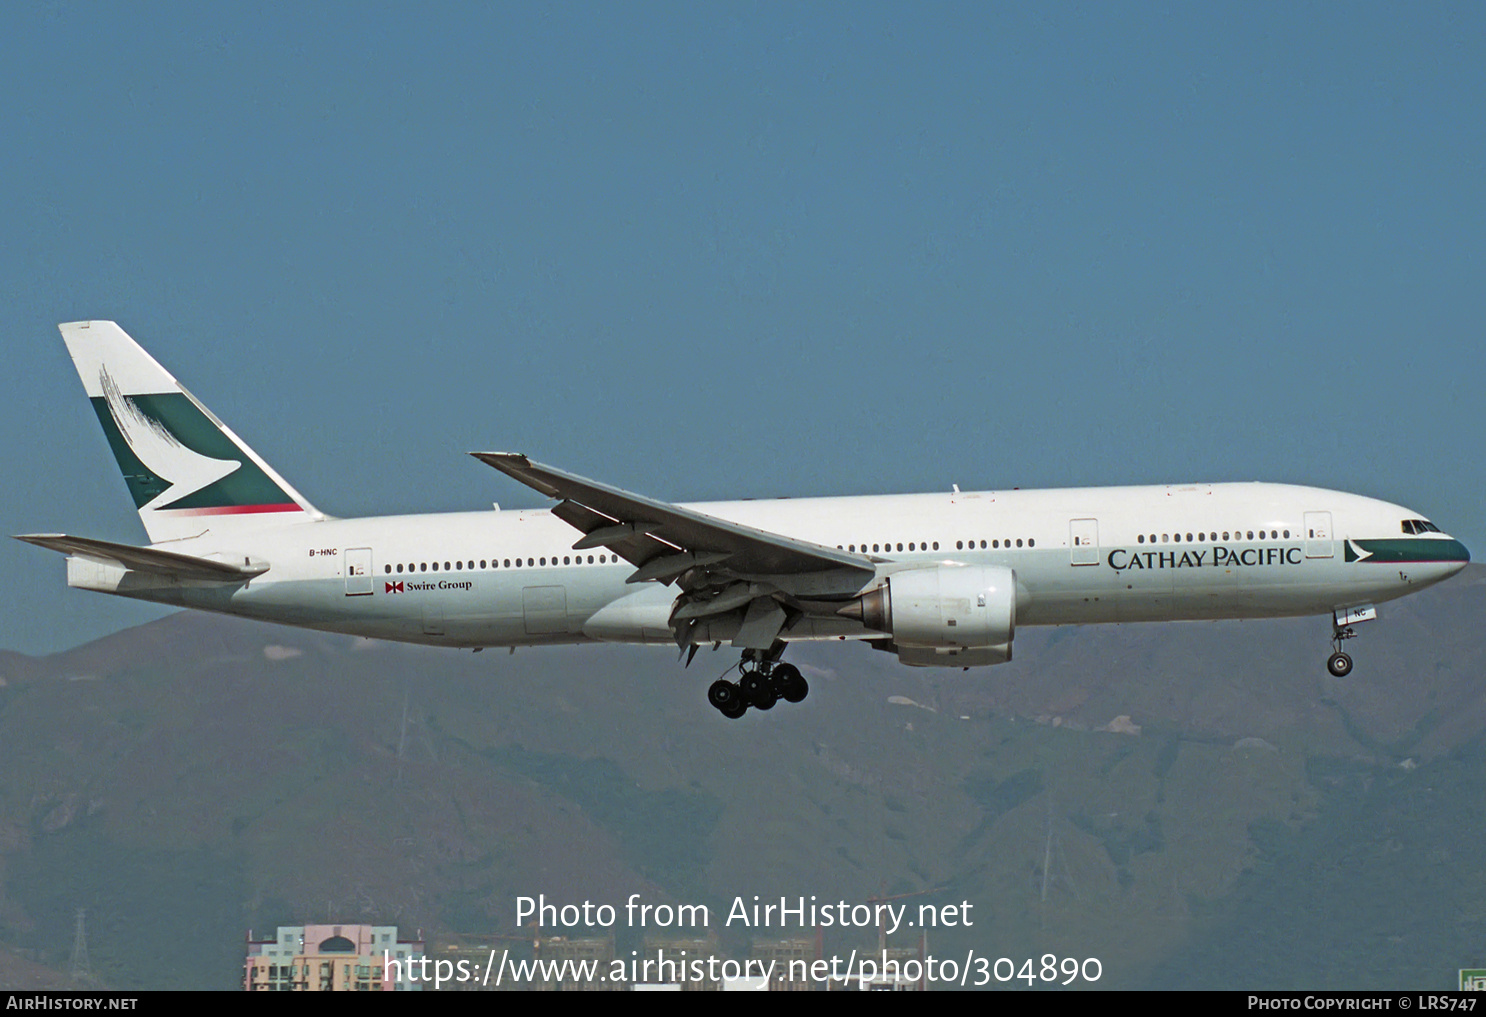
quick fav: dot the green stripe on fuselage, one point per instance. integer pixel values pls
(247, 485)
(1407, 549)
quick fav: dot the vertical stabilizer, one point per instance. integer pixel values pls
(186, 470)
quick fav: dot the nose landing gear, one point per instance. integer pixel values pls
(1339, 663)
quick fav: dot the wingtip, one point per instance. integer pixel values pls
(503, 460)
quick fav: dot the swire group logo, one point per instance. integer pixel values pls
(395, 587)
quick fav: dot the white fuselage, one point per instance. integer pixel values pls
(1080, 555)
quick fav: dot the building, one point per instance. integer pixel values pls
(338, 958)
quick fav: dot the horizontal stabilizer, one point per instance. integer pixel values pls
(171, 564)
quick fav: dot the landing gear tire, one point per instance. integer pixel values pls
(789, 683)
(727, 697)
(757, 690)
(1339, 664)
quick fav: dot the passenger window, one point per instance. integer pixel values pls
(1140, 538)
(459, 565)
(1019, 542)
(1287, 534)
(435, 566)
(900, 547)
(959, 545)
(936, 545)
(982, 545)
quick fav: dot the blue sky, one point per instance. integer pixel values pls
(708, 251)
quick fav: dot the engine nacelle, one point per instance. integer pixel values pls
(944, 608)
(955, 656)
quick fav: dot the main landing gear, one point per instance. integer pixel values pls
(760, 684)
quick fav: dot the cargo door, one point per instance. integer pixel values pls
(545, 609)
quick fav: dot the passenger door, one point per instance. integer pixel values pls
(1083, 541)
(357, 562)
(1318, 542)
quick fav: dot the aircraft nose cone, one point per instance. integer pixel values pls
(1459, 556)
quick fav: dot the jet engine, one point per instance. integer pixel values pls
(945, 616)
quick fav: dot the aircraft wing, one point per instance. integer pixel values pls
(170, 564)
(725, 566)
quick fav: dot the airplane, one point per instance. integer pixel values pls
(940, 580)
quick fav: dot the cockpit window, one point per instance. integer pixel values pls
(1419, 526)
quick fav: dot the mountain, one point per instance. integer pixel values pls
(198, 777)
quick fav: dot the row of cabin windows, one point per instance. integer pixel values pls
(1176, 538)
(913, 545)
(500, 563)
(960, 545)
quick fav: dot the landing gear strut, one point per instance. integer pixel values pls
(1342, 620)
(1339, 663)
(763, 680)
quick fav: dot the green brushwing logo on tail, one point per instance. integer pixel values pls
(173, 456)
